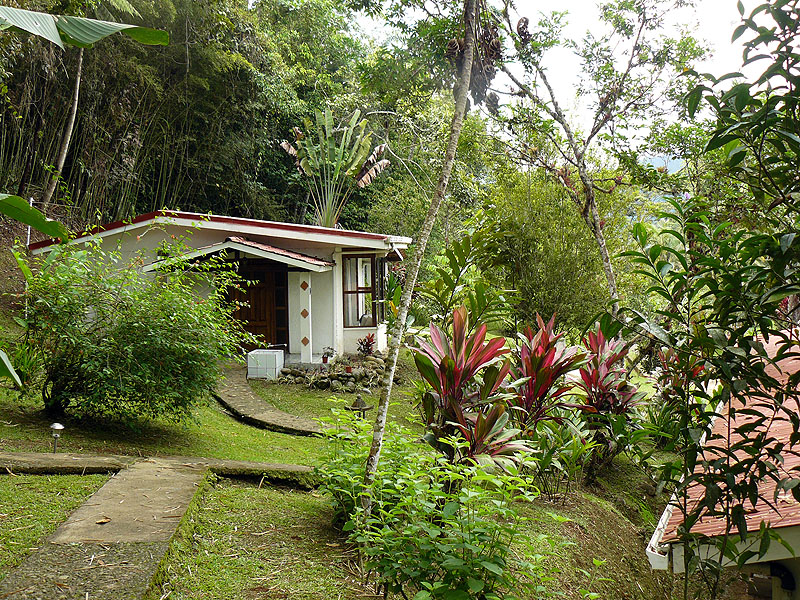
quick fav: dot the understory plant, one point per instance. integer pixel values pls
(544, 361)
(465, 372)
(609, 400)
(437, 529)
(117, 343)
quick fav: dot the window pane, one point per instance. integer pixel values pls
(358, 310)
(350, 274)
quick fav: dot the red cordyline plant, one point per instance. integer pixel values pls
(603, 377)
(675, 375)
(544, 360)
(464, 373)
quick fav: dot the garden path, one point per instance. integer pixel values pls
(235, 394)
(110, 548)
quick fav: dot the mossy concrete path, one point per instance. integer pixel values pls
(110, 548)
(235, 394)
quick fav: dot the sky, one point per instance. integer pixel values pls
(712, 21)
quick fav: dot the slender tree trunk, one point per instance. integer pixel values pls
(65, 139)
(461, 94)
(595, 226)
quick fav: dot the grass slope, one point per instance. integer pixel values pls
(247, 542)
(33, 506)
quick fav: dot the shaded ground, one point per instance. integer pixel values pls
(247, 543)
(213, 434)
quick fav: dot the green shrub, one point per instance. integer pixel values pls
(116, 342)
(437, 530)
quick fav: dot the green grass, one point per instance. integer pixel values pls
(33, 506)
(300, 400)
(247, 542)
(213, 434)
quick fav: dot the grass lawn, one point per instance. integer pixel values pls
(212, 434)
(33, 506)
(245, 542)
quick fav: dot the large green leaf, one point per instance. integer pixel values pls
(7, 369)
(82, 32)
(16, 208)
(37, 23)
(75, 31)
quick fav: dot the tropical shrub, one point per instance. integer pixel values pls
(561, 448)
(437, 530)
(464, 375)
(117, 343)
(366, 345)
(544, 360)
(609, 400)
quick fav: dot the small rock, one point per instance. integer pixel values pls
(286, 371)
(299, 380)
(351, 386)
(336, 385)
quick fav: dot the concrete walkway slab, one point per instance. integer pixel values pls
(62, 463)
(110, 548)
(235, 394)
(143, 503)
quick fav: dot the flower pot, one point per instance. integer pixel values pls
(348, 369)
(325, 360)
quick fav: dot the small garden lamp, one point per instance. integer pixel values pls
(56, 427)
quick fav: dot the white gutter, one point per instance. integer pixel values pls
(658, 553)
(287, 260)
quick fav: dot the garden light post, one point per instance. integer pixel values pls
(56, 427)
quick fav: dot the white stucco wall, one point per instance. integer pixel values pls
(327, 316)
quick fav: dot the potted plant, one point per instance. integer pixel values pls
(327, 352)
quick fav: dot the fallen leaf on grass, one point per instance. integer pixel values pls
(103, 521)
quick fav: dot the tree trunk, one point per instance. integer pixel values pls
(595, 226)
(461, 94)
(65, 139)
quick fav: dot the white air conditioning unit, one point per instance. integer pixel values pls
(264, 364)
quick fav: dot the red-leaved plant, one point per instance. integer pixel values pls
(465, 372)
(603, 377)
(544, 360)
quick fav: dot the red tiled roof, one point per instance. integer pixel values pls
(785, 511)
(282, 251)
(176, 214)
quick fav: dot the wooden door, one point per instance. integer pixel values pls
(266, 311)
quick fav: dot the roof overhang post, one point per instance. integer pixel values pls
(306, 341)
(338, 303)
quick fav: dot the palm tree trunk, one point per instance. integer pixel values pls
(461, 94)
(66, 137)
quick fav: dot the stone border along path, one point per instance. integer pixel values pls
(111, 547)
(235, 394)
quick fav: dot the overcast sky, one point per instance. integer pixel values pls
(713, 21)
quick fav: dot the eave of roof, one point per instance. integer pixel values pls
(274, 228)
(288, 257)
(785, 512)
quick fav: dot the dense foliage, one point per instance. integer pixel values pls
(115, 343)
(438, 530)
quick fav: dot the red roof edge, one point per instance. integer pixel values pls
(176, 214)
